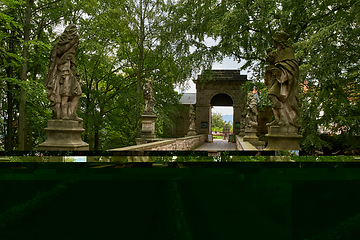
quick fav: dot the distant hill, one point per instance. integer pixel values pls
(228, 118)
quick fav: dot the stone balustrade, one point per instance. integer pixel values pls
(244, 145)
(178, 144)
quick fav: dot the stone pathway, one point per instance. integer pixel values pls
(217, 145)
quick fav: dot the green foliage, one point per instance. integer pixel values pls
(69, 159)
(325, 40)
(217, 122)
(122, 44)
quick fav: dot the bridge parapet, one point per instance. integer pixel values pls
(244, 145)
(175, 144)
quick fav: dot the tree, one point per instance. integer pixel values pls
(325, 39)
(217, 122)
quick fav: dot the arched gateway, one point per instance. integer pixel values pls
(222, 90)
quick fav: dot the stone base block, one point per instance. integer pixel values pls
(64, 135)
(250, 135)
(260, 145)
(242, 133)
(148, 126)
(283, 138)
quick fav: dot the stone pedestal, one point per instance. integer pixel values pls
(283, 138)
(148, 128)
(64, 135)
(242, 133)
(250, 136)
(191, 132)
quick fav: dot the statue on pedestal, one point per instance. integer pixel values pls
(148, 117)
(149, 98)
(281, 77)
(62, 80)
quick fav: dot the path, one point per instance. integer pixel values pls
(217, 145)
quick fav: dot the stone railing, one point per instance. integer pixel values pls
(242, 145)
(176, 144)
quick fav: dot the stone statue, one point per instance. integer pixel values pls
(149, 98)
(192, 117)
(252, 113)
(242, 121)
(281, 77)
(62, 80)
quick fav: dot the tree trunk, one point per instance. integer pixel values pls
(141, 51)
(96, 140)
(22, 105)
(10, 107)
(140, 67)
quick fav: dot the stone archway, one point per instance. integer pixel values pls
(223, 87)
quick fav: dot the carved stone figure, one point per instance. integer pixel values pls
(62, 81)
(192, 117)
(149, 98)
(252, 113)
(242, 121)
(281, 77)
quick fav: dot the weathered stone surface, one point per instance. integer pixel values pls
(148, 129)
(64, 135)
(149, 98)
(192, 117)
(62, 81)
(283, 138)
(251, 124)
(281, 77)
(224, 83)
(178, 144)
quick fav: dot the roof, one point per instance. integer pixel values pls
(188, 98)
(226, 75)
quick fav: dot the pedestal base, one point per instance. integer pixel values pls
(64, 135)
(148, 126)
(242, 133)
(283, 138)
(250, 136)
(191, 132)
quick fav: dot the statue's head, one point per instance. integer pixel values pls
(69, 33)
(281, 38)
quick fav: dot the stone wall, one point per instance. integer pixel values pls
(182, 144)
(178, 144)
(180, 123)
